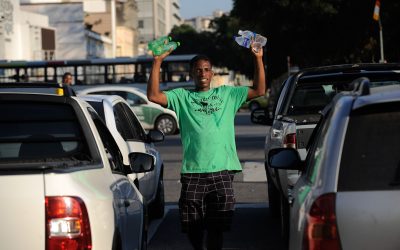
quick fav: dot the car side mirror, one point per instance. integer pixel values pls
(285, 158)
(141, 162)
(261, 116)
(155, 135)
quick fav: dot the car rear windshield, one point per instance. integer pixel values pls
(40, 131)
(371, 152)
(313, 93)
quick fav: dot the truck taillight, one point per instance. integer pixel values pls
(289, 141)
(321, 230)
(67, 224)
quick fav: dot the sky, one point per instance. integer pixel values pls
(194, 8)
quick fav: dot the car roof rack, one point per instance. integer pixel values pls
(360, 86)
(67, 91)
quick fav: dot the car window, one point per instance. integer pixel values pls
(136, 128)
(313, 159)
(278, 103)
(370, 158)
(113, 153)
(40, 130)
(134, 99)
(98, 106)
(309, 99)
(123, 124)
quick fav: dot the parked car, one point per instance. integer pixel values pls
(131, 137)
(297, 111)
(62, 178)
(256, 103)
(151, 115)
(347, 195)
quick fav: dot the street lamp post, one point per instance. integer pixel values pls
(382, 60)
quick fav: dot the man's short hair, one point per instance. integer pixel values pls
(66, 74)
(198, 58)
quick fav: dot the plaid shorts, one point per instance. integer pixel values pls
(207, 200)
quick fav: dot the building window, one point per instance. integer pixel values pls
(140, 24)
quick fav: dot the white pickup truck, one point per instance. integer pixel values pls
(62, 177)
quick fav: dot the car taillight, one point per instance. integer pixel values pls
(289, 141)
(321, 229)
(67, 224)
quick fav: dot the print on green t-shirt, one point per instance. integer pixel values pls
(206, 121)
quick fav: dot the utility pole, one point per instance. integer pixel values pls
(382, 60)
(377, 17)
(113, 29)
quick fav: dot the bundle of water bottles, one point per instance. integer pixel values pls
(162, 45)
(246, 37)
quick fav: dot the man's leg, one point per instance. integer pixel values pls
(196, 235)
(220, 203)
(191, 208)
(215, 239)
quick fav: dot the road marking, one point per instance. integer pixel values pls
(254, 172)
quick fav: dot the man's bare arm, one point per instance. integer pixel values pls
(259, 86)
(154, 94)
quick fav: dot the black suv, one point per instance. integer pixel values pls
(297, 111)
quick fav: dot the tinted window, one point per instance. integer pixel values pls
(113, 153)
(316, 147)
(122, 123)
(32, 130)
(309, 99)
(98, 106)
(371, 159)
(136, 127)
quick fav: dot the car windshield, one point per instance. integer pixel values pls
(40, 131)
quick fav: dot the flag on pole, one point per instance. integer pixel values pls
(376, 10)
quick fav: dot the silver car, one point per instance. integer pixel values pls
(349, 190)
(131, 137)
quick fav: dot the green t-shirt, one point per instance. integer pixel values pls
(206, 121)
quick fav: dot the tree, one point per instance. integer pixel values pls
(320, 32)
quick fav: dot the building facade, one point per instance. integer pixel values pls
(24, 35)
(202, 23)
(156, 18)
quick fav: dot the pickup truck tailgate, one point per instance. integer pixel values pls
(22, 211)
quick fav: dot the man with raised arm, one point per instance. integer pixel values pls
(206, 120)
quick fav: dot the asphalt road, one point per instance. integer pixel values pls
(253, 227)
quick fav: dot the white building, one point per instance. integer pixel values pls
(202, 23)
(24, 35)
(73, 41)
(156, 18)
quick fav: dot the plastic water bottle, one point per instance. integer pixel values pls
(243, 41)
(153, 45)
(259, 42)
(248, 36)
(165, 47)
(247, 33)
